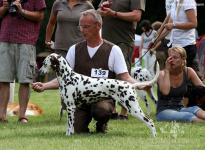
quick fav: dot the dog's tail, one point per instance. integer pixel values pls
(148, 83)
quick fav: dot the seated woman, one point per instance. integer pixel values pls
(172, 85)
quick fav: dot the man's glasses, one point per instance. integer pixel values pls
(81, 27)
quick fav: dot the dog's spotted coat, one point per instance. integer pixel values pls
(142, 74)
(76, 89)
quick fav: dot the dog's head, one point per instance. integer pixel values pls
(31, 110)
(52, 61)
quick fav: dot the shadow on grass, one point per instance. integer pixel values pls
(51, 127)
(55, 129)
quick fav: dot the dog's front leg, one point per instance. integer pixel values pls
(70, 129)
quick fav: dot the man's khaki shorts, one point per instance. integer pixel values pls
(17, 61)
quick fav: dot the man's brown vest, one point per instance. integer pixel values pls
(83, 62)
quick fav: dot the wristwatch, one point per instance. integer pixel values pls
(174, 25)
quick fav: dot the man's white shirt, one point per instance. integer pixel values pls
(116, 61)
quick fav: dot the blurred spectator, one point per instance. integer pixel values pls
(156, 25)
(182, 25)
(148, 59)
(201, 54)
(65, 15)
(135, 55)
(20, 24)
(173, 83)
(161, 51)
(119, 24)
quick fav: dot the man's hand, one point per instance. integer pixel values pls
(169, 26)
(145, 88)
(17, 3)
(38, 87)
(107, 12)
(105, 9)
(168, 63)
(50, 44)
(106, 4)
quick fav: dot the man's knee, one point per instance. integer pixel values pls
(102, 110)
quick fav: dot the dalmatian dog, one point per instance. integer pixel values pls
(76, 89)
(142, 74)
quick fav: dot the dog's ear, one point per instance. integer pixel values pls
(54, 63)
(198, 91)
(199, 96)
(189, 90)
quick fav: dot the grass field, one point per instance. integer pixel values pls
(46, 132)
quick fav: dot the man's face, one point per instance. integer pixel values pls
(88, 27)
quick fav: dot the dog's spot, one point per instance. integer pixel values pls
(127, 104)
(86, 82)
(112, 86)
(111, 91)
(146, 119)
(95, 85)
(131, 98)
(87, 93)
(120, 88)
(123, 94)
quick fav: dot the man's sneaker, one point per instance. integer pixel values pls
(122, 117)
(114, 116)
(101, 128)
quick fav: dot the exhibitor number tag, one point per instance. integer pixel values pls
(99, 73)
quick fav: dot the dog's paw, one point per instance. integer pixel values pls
(69, 132)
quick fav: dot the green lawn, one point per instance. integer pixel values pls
(47, 132)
